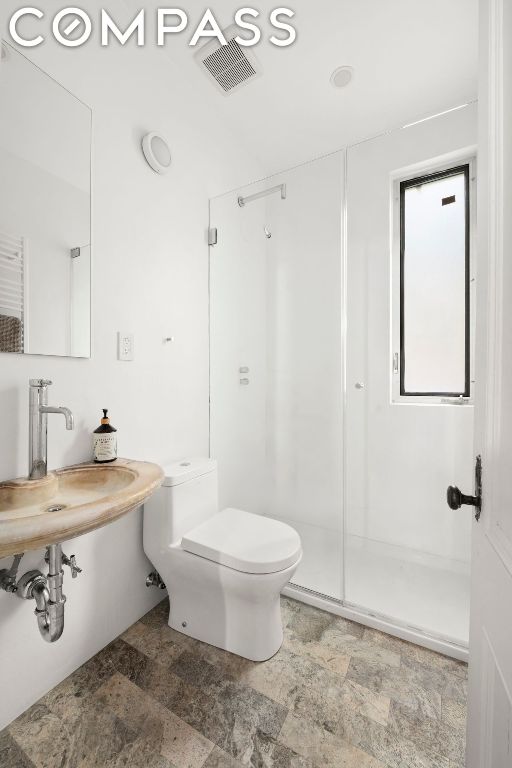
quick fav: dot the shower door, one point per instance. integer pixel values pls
(276, 358)
(406, 553)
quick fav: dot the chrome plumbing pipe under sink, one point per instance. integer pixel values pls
(49, 598)
(47, 593)
(45, 590)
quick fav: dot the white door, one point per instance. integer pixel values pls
(490, 680)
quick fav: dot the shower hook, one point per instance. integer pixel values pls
(268, 233)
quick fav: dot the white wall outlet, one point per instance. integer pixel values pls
(124, 346)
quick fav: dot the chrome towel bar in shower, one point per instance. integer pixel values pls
(279, 188)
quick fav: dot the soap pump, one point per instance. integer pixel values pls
(105, 441)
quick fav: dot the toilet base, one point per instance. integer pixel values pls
(238, 612)
(243, 636)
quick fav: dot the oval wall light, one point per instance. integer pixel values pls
(157, 152)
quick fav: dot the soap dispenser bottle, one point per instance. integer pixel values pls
(105, 441)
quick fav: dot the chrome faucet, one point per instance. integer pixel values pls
(38, 426)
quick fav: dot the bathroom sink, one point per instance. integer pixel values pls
(71, 501)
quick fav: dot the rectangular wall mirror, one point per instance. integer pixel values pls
(45, 213)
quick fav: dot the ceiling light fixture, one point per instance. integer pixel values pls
(342, 76)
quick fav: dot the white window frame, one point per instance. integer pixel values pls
(465, 157)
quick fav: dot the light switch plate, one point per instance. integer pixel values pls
(124, 346)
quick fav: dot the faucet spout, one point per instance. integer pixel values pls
(38, 426)
(70, 422)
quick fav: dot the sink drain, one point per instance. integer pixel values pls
(56, 508)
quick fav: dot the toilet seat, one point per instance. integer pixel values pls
(245, 542)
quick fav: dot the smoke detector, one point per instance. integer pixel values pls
(230, 66)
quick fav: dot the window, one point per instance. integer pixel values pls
(434, 358)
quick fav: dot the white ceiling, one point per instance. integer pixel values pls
(411, 58)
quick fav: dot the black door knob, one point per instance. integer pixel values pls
(456, 498)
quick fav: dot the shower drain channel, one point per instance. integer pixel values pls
(56, 508)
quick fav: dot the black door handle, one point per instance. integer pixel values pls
(456, 498)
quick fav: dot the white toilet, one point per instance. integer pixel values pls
(224, 570)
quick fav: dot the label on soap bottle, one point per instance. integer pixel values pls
(105, 446)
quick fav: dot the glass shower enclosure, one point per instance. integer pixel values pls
(307, 419)
(275, 363)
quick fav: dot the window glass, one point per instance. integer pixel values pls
(434, 311)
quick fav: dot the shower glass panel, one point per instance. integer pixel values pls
(407, 554)
(276, 358)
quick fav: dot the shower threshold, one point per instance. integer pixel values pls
(447, 646)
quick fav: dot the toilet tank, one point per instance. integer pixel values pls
(188, 496)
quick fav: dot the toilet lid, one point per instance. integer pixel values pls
(246, 542)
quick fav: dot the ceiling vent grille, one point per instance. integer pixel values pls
(227, 66)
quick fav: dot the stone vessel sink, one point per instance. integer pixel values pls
(71, 501)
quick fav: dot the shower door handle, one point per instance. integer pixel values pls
(456, 498)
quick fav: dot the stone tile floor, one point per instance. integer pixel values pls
(337, 694)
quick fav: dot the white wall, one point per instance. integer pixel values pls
(400, 457)
(150, 277)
